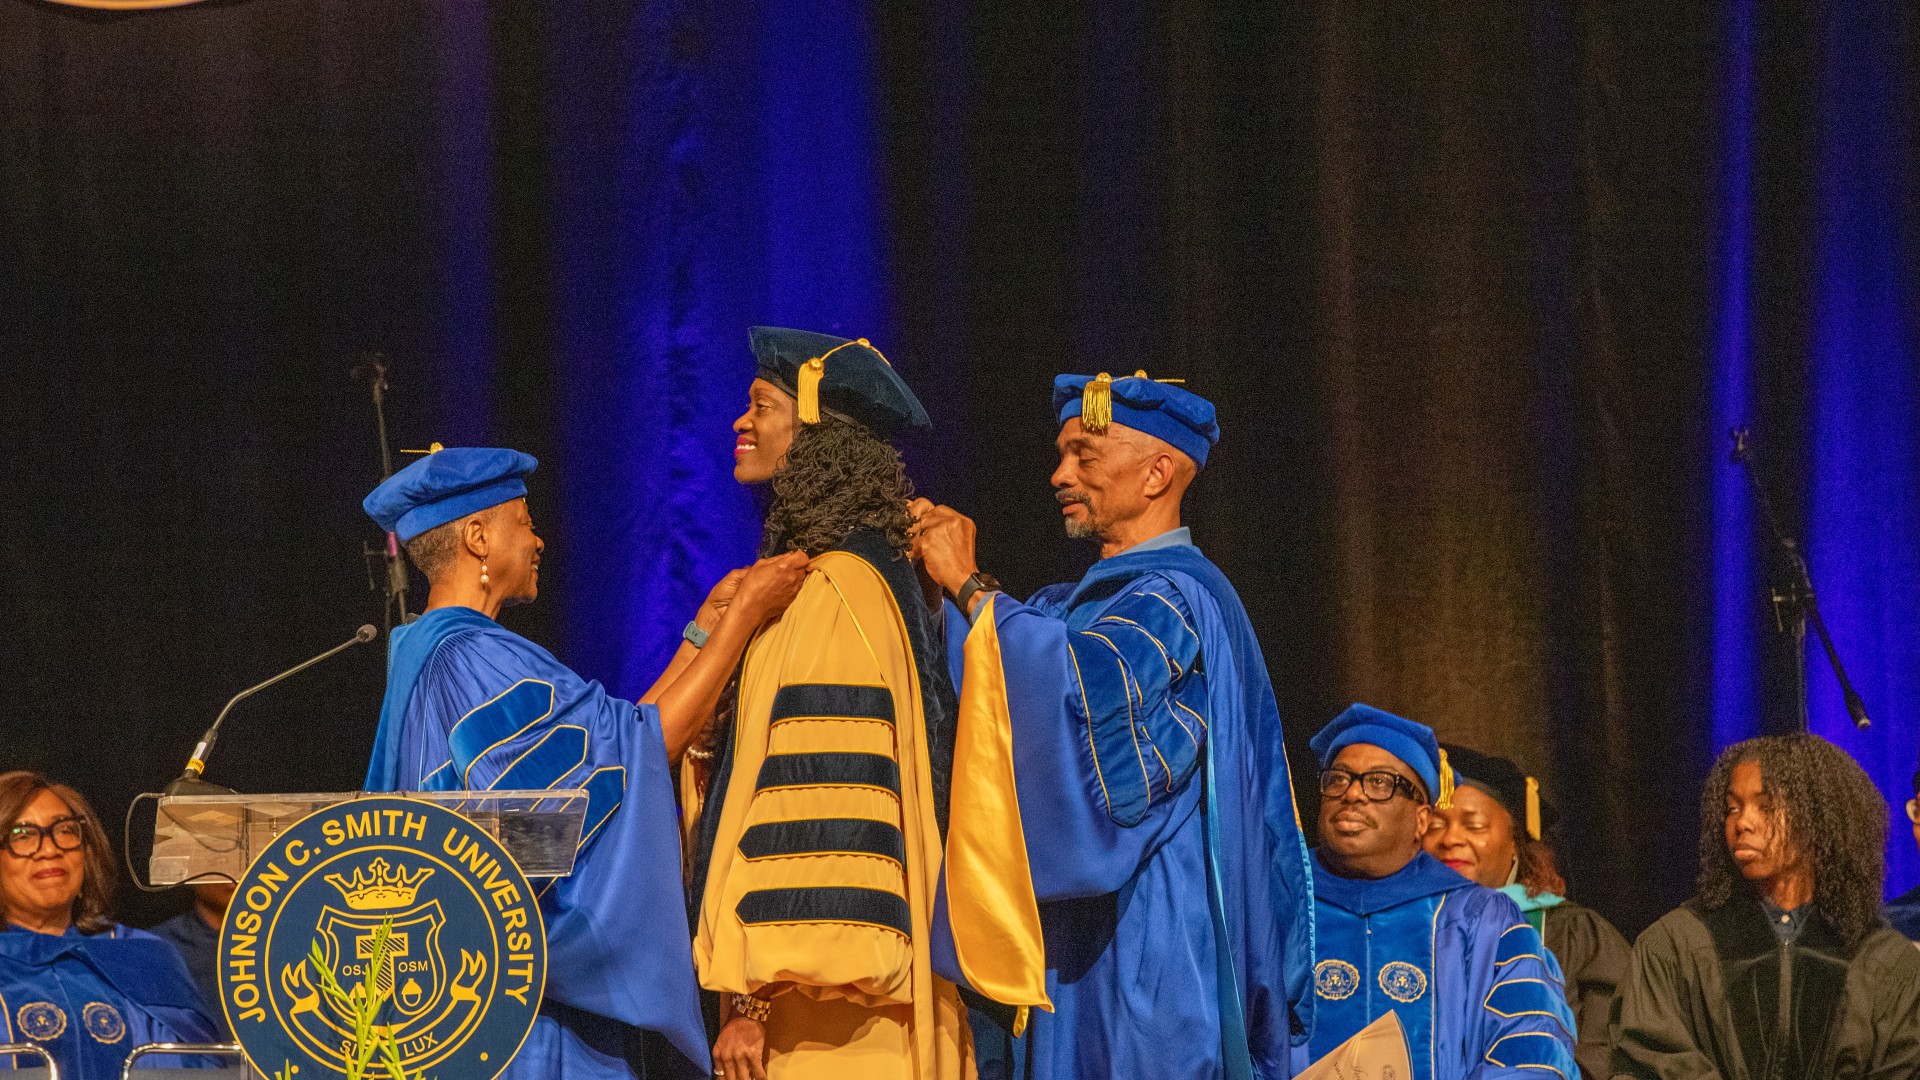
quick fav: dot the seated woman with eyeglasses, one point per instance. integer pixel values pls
(80, 985)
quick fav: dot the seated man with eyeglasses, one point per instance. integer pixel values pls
(1476, 993)
(1903, 911)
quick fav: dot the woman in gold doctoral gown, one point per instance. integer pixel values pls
(817, 852)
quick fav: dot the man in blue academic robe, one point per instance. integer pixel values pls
(1152, 785)
(471, 705)
(1477, 994)
(1903, 911)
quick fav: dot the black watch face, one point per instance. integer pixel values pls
(988, 581)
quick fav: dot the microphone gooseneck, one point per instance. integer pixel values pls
(189, 782)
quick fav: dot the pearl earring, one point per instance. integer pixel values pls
(483, 575)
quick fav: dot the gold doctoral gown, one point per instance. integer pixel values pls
(820, 891)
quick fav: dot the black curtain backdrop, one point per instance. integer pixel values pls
(1446, 270)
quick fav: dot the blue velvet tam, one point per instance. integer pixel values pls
(1413, 743)
(447, 485)
(853, 380)
(1173, 414)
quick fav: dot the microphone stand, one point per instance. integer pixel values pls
(1795, 598)
(372, 370)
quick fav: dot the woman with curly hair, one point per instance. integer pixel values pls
(83, 987)
(817, 853)
(1781, 968)
(1496, 834)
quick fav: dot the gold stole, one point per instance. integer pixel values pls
(990, 903)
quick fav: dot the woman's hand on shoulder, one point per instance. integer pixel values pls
(718, 598)
(769, 586)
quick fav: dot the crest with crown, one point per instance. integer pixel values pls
(383, 886)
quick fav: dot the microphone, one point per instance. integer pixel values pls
(189, 782)
(1857, 710)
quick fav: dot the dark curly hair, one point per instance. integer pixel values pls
(1833, 815)
(836, 477)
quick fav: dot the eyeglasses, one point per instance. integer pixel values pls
(1378, 786)
(24, 838)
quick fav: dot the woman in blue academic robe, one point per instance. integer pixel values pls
(472, 705)
(72, 980)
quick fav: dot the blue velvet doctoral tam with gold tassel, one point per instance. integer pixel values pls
(1478, 996)
(471, 705)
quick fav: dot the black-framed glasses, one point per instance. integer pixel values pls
(24, 838)
(1379, 785)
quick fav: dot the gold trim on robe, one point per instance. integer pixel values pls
(991, 909)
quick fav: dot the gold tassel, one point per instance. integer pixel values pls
(807, 382)
(808, 389)
(1445, 801)
(1096, 404)
(1533, 808)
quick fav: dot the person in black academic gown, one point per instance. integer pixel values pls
(1903, 911)
(1781, 968)
(1495, 833)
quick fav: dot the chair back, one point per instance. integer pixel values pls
(236, 1070)
(48, 1071)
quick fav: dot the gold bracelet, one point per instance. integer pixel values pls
(753, 1008)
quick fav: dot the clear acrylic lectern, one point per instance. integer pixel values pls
(213, 836)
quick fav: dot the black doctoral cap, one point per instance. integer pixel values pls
(848, 378)
(1507, 784)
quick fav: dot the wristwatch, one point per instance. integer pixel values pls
(753, 1008)
(977, 581)
(694, 635)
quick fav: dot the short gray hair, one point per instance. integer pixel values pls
(435, 550)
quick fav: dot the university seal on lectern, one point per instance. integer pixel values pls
(465, 957)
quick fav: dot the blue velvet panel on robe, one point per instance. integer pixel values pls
(472, 705)
(1903, 913)
(89, 999)
(1115, 687)
(1477, 994)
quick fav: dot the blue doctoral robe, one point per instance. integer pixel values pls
(1120, 688)
(471, 705)
(199, 946)
(89, 999)
(1903, 913)
(1478, 995)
